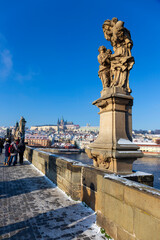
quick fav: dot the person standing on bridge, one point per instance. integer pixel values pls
(21, 149)
(13, 153)
(6, 148)
(1, 145)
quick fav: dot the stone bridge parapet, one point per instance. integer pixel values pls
(125, 209)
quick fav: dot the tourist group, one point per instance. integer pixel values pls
(13, 150)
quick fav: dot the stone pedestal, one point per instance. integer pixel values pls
(114, 149)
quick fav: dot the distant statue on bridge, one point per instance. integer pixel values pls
(16, 132)
(20, 129)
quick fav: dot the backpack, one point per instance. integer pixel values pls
(11, 149)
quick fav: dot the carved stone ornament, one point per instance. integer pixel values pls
(99, 160)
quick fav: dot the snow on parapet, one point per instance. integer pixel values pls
(126, 152)
(124, 141)
(81, 164)
(136, 174)
(74, 162)
(130, 183)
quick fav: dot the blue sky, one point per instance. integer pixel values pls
(48, 59)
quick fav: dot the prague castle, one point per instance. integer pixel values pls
(61, 126)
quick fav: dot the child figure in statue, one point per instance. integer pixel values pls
(105, 65)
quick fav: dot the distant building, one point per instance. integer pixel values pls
(89, 128)
(44, 127)
(37, 140)
(149, 148)
(62, 125)
(157, 141)
(83, 144)
(65, 125)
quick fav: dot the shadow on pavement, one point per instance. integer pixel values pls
(63, 223)
(22, 186)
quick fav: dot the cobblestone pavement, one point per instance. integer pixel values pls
(32, 207)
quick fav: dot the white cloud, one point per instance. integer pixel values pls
(6, 64)
(24, 77)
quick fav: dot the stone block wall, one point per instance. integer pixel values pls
(125, 209)
(63, 173)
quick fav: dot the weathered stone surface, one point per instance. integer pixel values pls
(146, 227)
(123, 235)
(110, 187)
(89, 178)
(147, 202)
(107, 224)
(113, 149)
(89, 196)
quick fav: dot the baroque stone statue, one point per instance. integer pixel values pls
(20, 129)
(113, 150)
(16, 133)
(114, 68)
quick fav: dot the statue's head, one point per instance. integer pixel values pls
(106, 23)
(102, 49)
(119, 24)
(109, 51)
(114, 21)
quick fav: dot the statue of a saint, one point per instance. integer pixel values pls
(121, 62)
(22, 127)
(19, 132)
(16, 132)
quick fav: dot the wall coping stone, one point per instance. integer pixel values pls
(74, 162)
(129, 183)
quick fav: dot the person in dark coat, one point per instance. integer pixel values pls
(1, 145)
(13, 153)
(7, 154)
(21, 149)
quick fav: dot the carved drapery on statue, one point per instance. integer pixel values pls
(114, 68)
